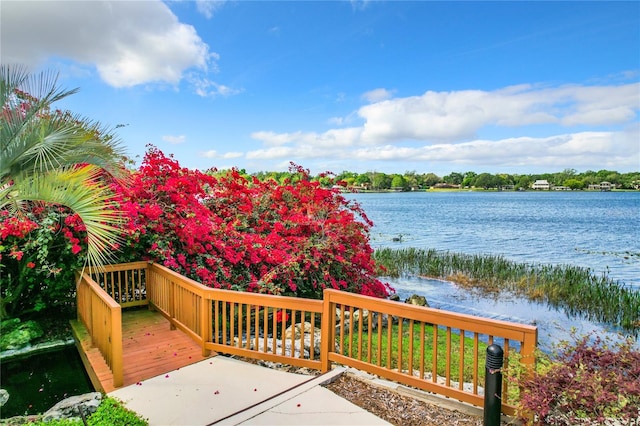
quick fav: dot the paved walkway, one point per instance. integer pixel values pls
(225, 391)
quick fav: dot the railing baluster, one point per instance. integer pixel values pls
(434, 350)
(360, 334)
(410, 360)
(341, 330)
(265, 321)
(505, 383)
(312, 340)
(389, 343)
(379, 357)
(476, 365)
(448, 359)
(461, 365)
(422, 339)
(399, 337)
(369, 336)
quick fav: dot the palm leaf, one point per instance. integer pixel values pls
(81, 190)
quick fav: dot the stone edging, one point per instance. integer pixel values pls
(35, 349)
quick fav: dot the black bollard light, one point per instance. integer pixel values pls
(493, 386)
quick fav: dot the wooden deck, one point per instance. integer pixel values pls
(150, 348)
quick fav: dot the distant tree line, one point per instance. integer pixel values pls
(411, 180)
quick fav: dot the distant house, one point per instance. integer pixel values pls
(602, 186)
(446, 186)
(541, 185)
(606, 186)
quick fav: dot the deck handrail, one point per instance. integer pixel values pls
(339, 328)
(357, 348)
(102, 317)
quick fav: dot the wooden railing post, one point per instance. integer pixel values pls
(205, 323)
(528, 350)
(172, 305)
(116, 347)
(326, 332)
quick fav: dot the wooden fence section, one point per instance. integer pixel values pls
(430, 349)
(102, 316)
(125, 283)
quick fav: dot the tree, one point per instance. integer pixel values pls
(469, 179)
(56, 157)
(484, 180)
(453, 178)
(431, 179)
(363, 179)
(574, 184)
(381, 181)
(411, 180)
(398, 182)
(524, 182)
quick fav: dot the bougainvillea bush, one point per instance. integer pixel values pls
(236, 232)
(225, 230)
(39, 252)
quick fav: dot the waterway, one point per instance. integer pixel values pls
(40, 381)
(595, 230)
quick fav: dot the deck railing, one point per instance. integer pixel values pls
(434, 350)
(430, 349)
(102, 316)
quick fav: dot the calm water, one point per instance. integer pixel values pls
(596, 230)
(40, 381)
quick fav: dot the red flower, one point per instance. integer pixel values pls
(282, 317)
(17, 254)
(31, 265)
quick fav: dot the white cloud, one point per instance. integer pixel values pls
(330, 138)
(129, 42)
(226, 156)
(209, 7)
(377, 95)
(443, 127)
(578, 150)
(454, 117)
(174, 139)
(209, 88)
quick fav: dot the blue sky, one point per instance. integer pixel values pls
(513, 87)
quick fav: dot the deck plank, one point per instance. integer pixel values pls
(150, 348)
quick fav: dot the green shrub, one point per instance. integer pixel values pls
(111, 412)
(589, 381)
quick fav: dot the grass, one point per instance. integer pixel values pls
(388, 350)
(577, 290)
(406, 354)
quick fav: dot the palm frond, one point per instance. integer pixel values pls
(81, 190)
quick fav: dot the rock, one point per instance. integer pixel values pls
(71, 407)
(417, 300)
(347, 313)
(18, 335)
(297, 329)
(394, 297)
(4, 397)
(279, 346)
(361, 312)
